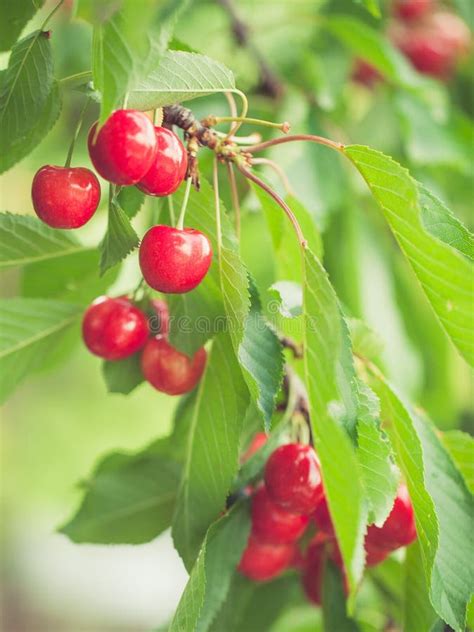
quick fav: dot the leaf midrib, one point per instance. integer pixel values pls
(45, 333)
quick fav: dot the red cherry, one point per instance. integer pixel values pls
(65, 197)
(319, 550)
(169, 370)
(271, 523)
(322, 517)
(169, 165)
(173, 260)
(262, 561)
(411, 9)
(374, 555)
(113, 328)
(257, 442)
(399, 529)
(124, 148)
(293, 478)
(365, 73)
(163, 317)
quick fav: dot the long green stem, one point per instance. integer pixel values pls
(245, 109)
(182, 213)
(320, 140)
(284, 127)
(76, 133)
(278, 170)
(171, 209)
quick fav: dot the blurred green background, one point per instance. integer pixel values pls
(60, 422)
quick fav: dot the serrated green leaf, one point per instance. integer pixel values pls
(130, 200)
(365, 341)
(418, 614)
(13, 18)
(288, 296)
(25, 240)
(460, 447)
(444, 272)
(119, 240)
(213, 444)
(179, 77)
(130, 499)
(334, 602)
(323, 341)
(374, 451)
(212, 573)
(372, 6)
(29, 100)
(123, 376)
(29, 330)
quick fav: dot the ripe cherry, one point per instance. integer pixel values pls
(322, 517)
(271, 523)
(258, 441)
(399, 529)
(320, 549)
(173, 260)
(293, 478)
(113, 328)
(411, 9)
(169, 370)
(124, 148)
(169, 165)
(65, 197)
(262, 561)
(365, 73)
(374, 555)
(161, 323)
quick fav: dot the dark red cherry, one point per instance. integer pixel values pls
(411, 9)
(374, 555)
(322, 517)
(293, 478)
(65, 197)
(169, 165)
(399, 529)
(271, 523)
(173, 260)
(124, 148)
(320, 549)
(258, 441)
(262, 561)
(365, 73)
(160, 324)
(113, 328)
(169, 370)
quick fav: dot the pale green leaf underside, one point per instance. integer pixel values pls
(25, 239)
(181, 76)
(29, 330)
(425, 230)
(460, 446)
(418, 613)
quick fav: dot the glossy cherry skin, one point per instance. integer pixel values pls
(125, 147)
(411, 9)
(169, 370)
(258, 441)
(65, 197)
(160, 323)
(262, 561)
(399, 529)
(293, 478)
(169, 165)
(174, 261)
(271, 523)
(113, 329)
(322, 517)
(374, 555)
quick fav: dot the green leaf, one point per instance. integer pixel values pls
(25, 240)
(119, 240)
(72, 278)
(123, 376)
(25, 89)
(212, 573)
(323, 342)
(13, 18)
(212, 455)
(460, 447)
(334, 602)
(180, 77)
(443, 271)
(372, 6)
(130, 499)
(374, 452)
(29, 331)
(436, 489)
(130, 200)
(418, 614)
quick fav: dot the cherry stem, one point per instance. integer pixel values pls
(184, 205)
(215, 120)
(251, 139)
(171, 209)
(295, 137)
(235, 198)
(48, 17)
(279, 201)
(125, 100)
(158, 117)
(76, 133)
(276, 167)
(245, 109)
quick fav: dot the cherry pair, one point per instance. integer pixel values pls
(114, 329)
(280, 509)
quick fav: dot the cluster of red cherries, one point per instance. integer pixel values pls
(292, 527)
(432, 38)
(129, 150)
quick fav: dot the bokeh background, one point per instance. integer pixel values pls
(58, 424)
